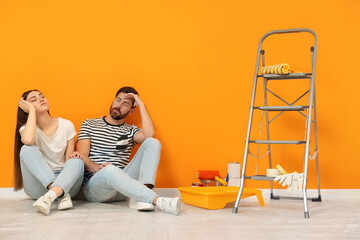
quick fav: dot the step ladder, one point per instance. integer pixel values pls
(310, 119)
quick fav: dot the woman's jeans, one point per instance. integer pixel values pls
(37, 174)
(115, 184)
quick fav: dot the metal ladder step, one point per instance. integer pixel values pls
(260, 177)
(277, 142)
(282, 108)
(286, 76)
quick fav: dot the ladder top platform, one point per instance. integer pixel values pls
(282, 108)
(277, 142)
(286, 76)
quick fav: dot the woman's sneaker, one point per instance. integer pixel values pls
(65, 202)
(169, 205)
(43, 204)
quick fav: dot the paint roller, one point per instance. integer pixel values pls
(204, 175)
(283, 68)
(207, 174)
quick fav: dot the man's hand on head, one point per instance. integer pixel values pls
(137, 100)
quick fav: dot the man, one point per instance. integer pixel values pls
(106, 144)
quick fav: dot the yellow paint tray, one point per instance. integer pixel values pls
(215, 197)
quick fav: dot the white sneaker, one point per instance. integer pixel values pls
(169, 205)
(43, 204)
(65, 202)
(141, 206)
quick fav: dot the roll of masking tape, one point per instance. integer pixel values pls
(271, 172)
(234, 182)
(234, 170)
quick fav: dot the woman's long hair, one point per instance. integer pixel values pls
(21, 121)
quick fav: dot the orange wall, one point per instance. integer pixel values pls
(193, 63)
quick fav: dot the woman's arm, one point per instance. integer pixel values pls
(28, 133)
(70, 150)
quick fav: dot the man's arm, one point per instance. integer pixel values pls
(147, 123)
(83, 147)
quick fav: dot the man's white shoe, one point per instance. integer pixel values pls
(169, 205)
(65, 202)
(43, 204)
(141, 206)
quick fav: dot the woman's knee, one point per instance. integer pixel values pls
(34, 193)
(152, 142)
(76, 163)
(27, 150)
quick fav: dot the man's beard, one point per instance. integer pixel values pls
(117, 116)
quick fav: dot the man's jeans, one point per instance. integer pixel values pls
(37, 174)
(115, 184)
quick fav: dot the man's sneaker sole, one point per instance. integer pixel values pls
(141, 206)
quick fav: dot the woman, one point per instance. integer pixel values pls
(46, 165)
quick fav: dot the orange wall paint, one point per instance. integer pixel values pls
(193, 63)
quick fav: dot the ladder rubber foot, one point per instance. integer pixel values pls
(306, 215)
(318, 199)
(272, 196)
(235, 209)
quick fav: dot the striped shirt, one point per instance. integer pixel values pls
(108, 143)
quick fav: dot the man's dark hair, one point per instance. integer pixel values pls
(127, 90)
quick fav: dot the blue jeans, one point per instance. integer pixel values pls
(115, 184)
(37, 174)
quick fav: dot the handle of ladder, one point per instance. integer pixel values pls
(284, 31)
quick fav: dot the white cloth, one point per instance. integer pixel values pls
(53, 148)
(293, 180)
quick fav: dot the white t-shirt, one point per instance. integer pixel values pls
(53, 148)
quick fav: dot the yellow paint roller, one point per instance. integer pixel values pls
(283, 68)
(207, 174)
(281, 169)
(223, 182)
